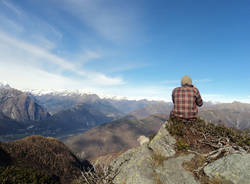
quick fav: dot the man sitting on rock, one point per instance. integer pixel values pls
(186, 99)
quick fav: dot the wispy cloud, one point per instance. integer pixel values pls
(106, 18)
(12, 7)
(225, 98)
(32, 55)
(10, 24)
(21, 24)
(87, 55)
(206, 80)
(171, 82)
(39, 50)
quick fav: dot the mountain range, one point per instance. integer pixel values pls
(55, 101)
(92, 127)
(59, 113)
(236, 114)
(82, 116)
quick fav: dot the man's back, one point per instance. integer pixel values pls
(186, 99)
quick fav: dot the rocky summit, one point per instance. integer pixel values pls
(163, 160)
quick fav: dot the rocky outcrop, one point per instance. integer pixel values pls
(137, 164)
(158, 162)
(234, 168)
(152, 163)
(163, 143)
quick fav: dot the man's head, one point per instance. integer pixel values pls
(186, 80)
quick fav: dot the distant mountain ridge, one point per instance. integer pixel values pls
(21, 107)
(155, 108)
(56, 101)
(236, 114)
(81, 116)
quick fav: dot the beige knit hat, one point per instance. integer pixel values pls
(186, 80)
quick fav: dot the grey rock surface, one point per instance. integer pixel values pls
(172, 171)
(234, 167)
(163, 143)
(135, 166)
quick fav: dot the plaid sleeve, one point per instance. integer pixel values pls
(198, 100)
(173, 95)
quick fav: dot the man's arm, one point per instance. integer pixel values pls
(198, 100)
(173, 95)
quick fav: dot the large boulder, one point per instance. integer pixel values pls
(234, 167)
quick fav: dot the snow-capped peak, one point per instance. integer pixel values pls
(4, 85)
(84, 92)
(62, 92)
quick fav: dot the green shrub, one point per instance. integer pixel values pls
(176, 128)
(181, 145)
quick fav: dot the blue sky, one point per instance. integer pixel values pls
(138, 49)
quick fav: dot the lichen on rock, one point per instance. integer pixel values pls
(234, 167)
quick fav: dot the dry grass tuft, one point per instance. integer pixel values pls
(157, 179)
(101, 175)
(158, 159)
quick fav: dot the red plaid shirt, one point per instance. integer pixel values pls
(186, 99)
